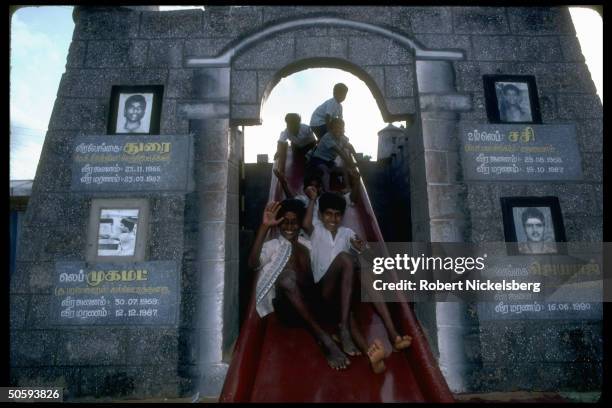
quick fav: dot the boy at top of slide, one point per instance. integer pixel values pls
(329, 109)
(301, 137)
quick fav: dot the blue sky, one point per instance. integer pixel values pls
(40, 37)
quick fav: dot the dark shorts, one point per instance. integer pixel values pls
(319, 130)
(316, 161)
(303, 150)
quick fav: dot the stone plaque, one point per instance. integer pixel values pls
(132, 163)
(571, 289)
(139, 293)
(539, 310)
(519, 152)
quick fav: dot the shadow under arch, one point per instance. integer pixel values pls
(336, 63)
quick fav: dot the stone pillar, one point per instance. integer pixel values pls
(218, 150)
(441, 217)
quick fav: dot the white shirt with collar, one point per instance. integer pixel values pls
(315, 212)
(325, 248)
(303, 137)
(330, 107)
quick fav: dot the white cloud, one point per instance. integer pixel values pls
(24, 158)
(589, 30)
(37, 64)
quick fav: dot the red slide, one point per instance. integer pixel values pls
(273, 363)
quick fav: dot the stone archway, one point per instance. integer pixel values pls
(408, 82)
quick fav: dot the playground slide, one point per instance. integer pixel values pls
(273, 363)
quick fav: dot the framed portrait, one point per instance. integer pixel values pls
(117, 230)
(135, 110)
(511, 99)
(533, 225)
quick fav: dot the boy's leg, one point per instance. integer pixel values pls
(319, 131)
(325, 177)
(397, 341)
(342, 273)
(287, 284)
(345, 178)
(340, 279)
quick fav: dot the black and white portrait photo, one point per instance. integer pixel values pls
(136, 114)
(534, 232)
(135, 110)
(534, 223)
(117, 232)
(511, 99)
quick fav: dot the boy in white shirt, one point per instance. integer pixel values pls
(329, 109)
(334, 266)
(314, 177)
(301, 137)
(332, 257)
(333, 144)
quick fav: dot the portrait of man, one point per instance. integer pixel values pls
(533, 230)
(511, 98)
(117, 232)
(135, 113)
(513, 101)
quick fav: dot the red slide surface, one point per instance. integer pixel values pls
(273, 363)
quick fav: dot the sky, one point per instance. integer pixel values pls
(40, 38)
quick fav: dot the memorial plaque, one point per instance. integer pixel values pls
(139, 293)
(519, 152)
(571, 289)
(132, 163)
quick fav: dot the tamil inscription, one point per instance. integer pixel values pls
(139, 293)
(520, 152)
(132, 163)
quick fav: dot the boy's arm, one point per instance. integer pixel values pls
(307, 223)
(269, 220)
(283, 181)
(281, 156)
(347, 159)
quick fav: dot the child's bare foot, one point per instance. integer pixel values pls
(376, 354)
(346, 340)
(335, 357)
(402, 342)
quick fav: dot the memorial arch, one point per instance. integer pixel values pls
(408, 81)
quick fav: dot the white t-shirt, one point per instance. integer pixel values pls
(303, 137)
(330, 107)
(325, 248)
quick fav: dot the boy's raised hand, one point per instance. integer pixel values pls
(269, 215)
(311, 192)
(279, 175)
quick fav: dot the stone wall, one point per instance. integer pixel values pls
(119, 46)
(540, 42)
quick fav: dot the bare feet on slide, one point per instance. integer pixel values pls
(346, 342)
(376, 354)
(402, 342)
(335, 357)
